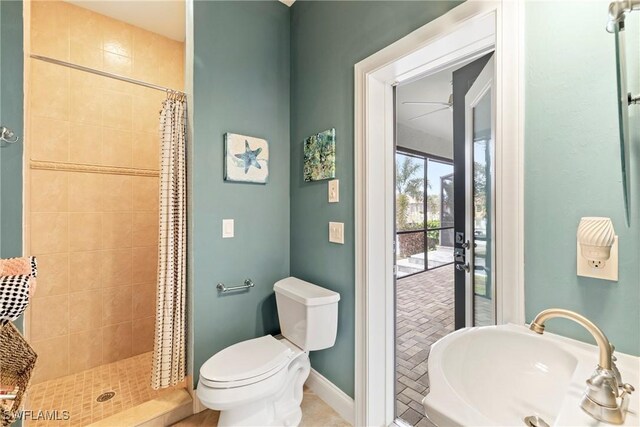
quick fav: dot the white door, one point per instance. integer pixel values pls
(480, 125)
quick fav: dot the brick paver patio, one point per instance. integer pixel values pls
(424, 315)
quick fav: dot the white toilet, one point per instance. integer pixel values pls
(259, 382)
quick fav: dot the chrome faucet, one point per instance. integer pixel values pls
(606, 398)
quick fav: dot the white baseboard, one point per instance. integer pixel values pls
(341, 402)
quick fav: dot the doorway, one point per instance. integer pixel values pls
(444, 130)
(466, 33)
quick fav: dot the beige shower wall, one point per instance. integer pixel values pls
(93, 147)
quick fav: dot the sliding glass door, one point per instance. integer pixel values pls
(424, 212)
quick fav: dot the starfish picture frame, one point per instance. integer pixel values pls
(246, 159)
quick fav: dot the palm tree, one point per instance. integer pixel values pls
(408, 184)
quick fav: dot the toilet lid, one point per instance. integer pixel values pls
(246, 359)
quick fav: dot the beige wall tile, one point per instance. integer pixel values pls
(85, 27)
(49, 233)
(49, 139)
(117, 267)
(145, 228)
(85, 231)
(83, 54)
(49, 90)
(85, 192)
(147, 117)
(117, 148)
(118, 193)
(82, 78)
(49, 317)
(86, 348)
(86, 105)
(85, 144)
(143, 335)
(85, 270)
(53, 358)
(144, 300)
(117, 230)
(146, 62)
(117, 64)
(49, 191)
(116, 305)
(146, 150)
(145, 265)
(53, 275)
(145, 193)
(85, 310)
(116, 342)
(118, 110)
(117, 37)
(50, 29)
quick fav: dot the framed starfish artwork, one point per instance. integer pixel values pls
(320, 156)
(246, 159)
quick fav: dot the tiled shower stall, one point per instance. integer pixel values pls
(92, 187)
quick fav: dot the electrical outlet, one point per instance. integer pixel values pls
(334, 190)
(606, 270)
(336, 232)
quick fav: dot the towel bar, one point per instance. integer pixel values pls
(248, 283)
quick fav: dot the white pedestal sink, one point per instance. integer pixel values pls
(498, 375)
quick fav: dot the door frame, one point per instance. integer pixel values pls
(466, 32)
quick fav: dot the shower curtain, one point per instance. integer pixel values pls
(169, 353)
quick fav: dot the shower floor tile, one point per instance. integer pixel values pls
(130, 379)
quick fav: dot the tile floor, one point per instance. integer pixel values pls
(129, 378)
(315, 413)
(424, 315)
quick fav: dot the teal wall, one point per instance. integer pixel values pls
(241, 85)
(327, 39)
(572, 166)
(11, 115)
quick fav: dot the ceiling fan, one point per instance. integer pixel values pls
(446, 105)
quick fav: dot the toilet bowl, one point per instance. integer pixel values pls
(258, 382)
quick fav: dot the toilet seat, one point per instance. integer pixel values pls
(246, 363)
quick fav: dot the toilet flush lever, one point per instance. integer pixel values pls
(248, 283)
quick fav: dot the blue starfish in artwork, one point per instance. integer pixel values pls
(249, 157)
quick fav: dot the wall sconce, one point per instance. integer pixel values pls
(597, 254)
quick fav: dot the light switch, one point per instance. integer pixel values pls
(334, 191)
(336, 232)
(227, 228)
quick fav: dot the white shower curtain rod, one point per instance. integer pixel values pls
(105, 74)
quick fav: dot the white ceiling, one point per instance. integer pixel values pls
(436, 87)
(165, 17)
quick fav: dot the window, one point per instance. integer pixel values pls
(424, 212)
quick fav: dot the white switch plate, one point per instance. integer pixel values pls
(336, 232)
(334, 191)
(227, 228)
(609, 271)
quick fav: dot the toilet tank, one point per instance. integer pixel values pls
(308, 313)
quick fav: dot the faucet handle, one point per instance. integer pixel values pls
(602, 388)
(628, 389)
(614, 368)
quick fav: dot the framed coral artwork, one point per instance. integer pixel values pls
(320, 156)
